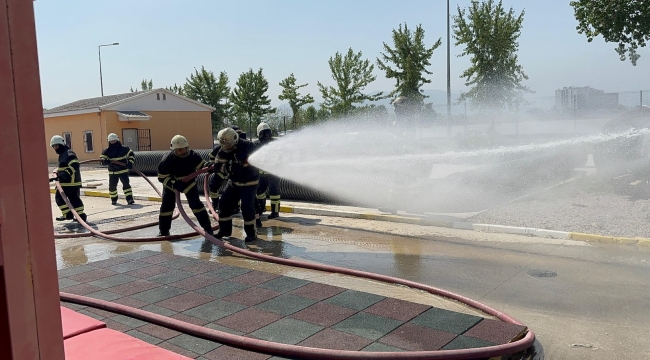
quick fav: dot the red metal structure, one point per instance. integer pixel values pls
(30, 317)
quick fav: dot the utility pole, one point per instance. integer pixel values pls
(101, 80)
(448, 76)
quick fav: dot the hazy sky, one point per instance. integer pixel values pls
(165, 40)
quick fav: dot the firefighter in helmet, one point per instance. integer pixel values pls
(120, 160)
(68, 175)
(269, 184)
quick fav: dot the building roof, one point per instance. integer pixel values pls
(93, 103)
(132, 114)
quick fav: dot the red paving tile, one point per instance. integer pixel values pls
(195, 282)
(316, 291)
(178, 350)
(230, 353)
(81, 289)
(417, 338)
(189, 319)
(147, 271)
(248, 320)
(254, 278)
(129, 301)
(158, 331)
(92, 275)
(251, 296)
(495, 331)
(157, 259)
(133, 287)
(336, 340)
(185, 301)
(397, 309)
(324, 314)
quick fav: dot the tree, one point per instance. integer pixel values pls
(490, 38)
(291, 94)
(351, 75)
(205, 88)
(311, 114)
(624, 21)
(249, 96)
(176, 89)
(410, 58)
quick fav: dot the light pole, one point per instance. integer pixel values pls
(101, 81)
(448, 77)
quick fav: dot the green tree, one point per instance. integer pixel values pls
(249, 96)
(291, 94)
(352, 75)
(146, 85)
(176, 89)
(410, 58)
(490, 35)
(205, 88)
(310, 114)
(626, 22)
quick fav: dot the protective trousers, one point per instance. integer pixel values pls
(113, 180)
(73, 194)
(230, 198)
(215, 187)
(169, 204)
(269, 187)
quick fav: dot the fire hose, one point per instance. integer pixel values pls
(297, 351)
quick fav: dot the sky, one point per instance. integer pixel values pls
(166, 40)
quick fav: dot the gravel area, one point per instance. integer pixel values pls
(612, 207)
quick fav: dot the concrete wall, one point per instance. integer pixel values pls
(76, 125)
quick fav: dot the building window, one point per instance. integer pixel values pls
(157, 96)
(88, 141)
(68, 139)
(164, 96)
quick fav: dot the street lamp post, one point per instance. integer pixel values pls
(448, 77)
(101, 81)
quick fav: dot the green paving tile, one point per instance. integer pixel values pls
(284, 284)
(214, 326)
(128, 321)
(227, 272)
(140, 254)
(64, 283)
(194, 344)
(353, 299)
(111, 281)
(158, 310)
(76, 270)
(287, 331)
(367, 325)
(91, 314)
(127, 266)
(104, 295)
(157, 294)
(466, 342)
(379, 347)
(181, 262)
(445, 320)
(214, 310)
(222, 289)
(170, 276)
(144, 337)
(286, 304)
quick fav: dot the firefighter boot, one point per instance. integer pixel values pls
(204, 221)
(251, 234)
(225, 229)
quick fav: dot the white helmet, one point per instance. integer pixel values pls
(179, 142)
(113, 137)
(228, 138)
(262, 126)
(57, 140)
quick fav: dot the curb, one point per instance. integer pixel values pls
(502, 229)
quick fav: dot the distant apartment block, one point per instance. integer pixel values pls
(584, 99)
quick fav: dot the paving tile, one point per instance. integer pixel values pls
(144, 337)
(195, 282)
(181, 262)
(285, 304)
(92, 275)
(495, 331)
(133, 287)
(214, 310)
(445, 320)
(379, 347)
(128, 321)
(324, 314)
(129, 301)
(221, 289)
(114, 325)
(75, 270)
(170, 277)
(157, 294)
(417, 338)
(178, 350)
(203, 267)
(254, 278)
(109, 262)
(353, 299)
(91, 314)
(194, 344)
(104, 295)
(190, 319)
(147, 271)
(225, 352)
(185, 301)
(65, 282)
(214, 326)
(367, 325)
(248, 320)
(284, 284)
(397, 309)
(227, 272)
(336, 340)
(159, 332)
(140, 254)
(81, 289)
(287, 331)
(158, 310)
(317, 291)
(466, 342)
(128, 266)
(100, 312)
(251, 296)
(159, 258)
(73, 306)
(111, 281)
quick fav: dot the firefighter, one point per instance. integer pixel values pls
(176, 165)
(242, 181)
(240, 133)
(69, 177)
(269, 184)
(117, 153)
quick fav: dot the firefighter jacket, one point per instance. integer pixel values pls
(172, 169)
(68, 171)
(120, 153)
(234, 164)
